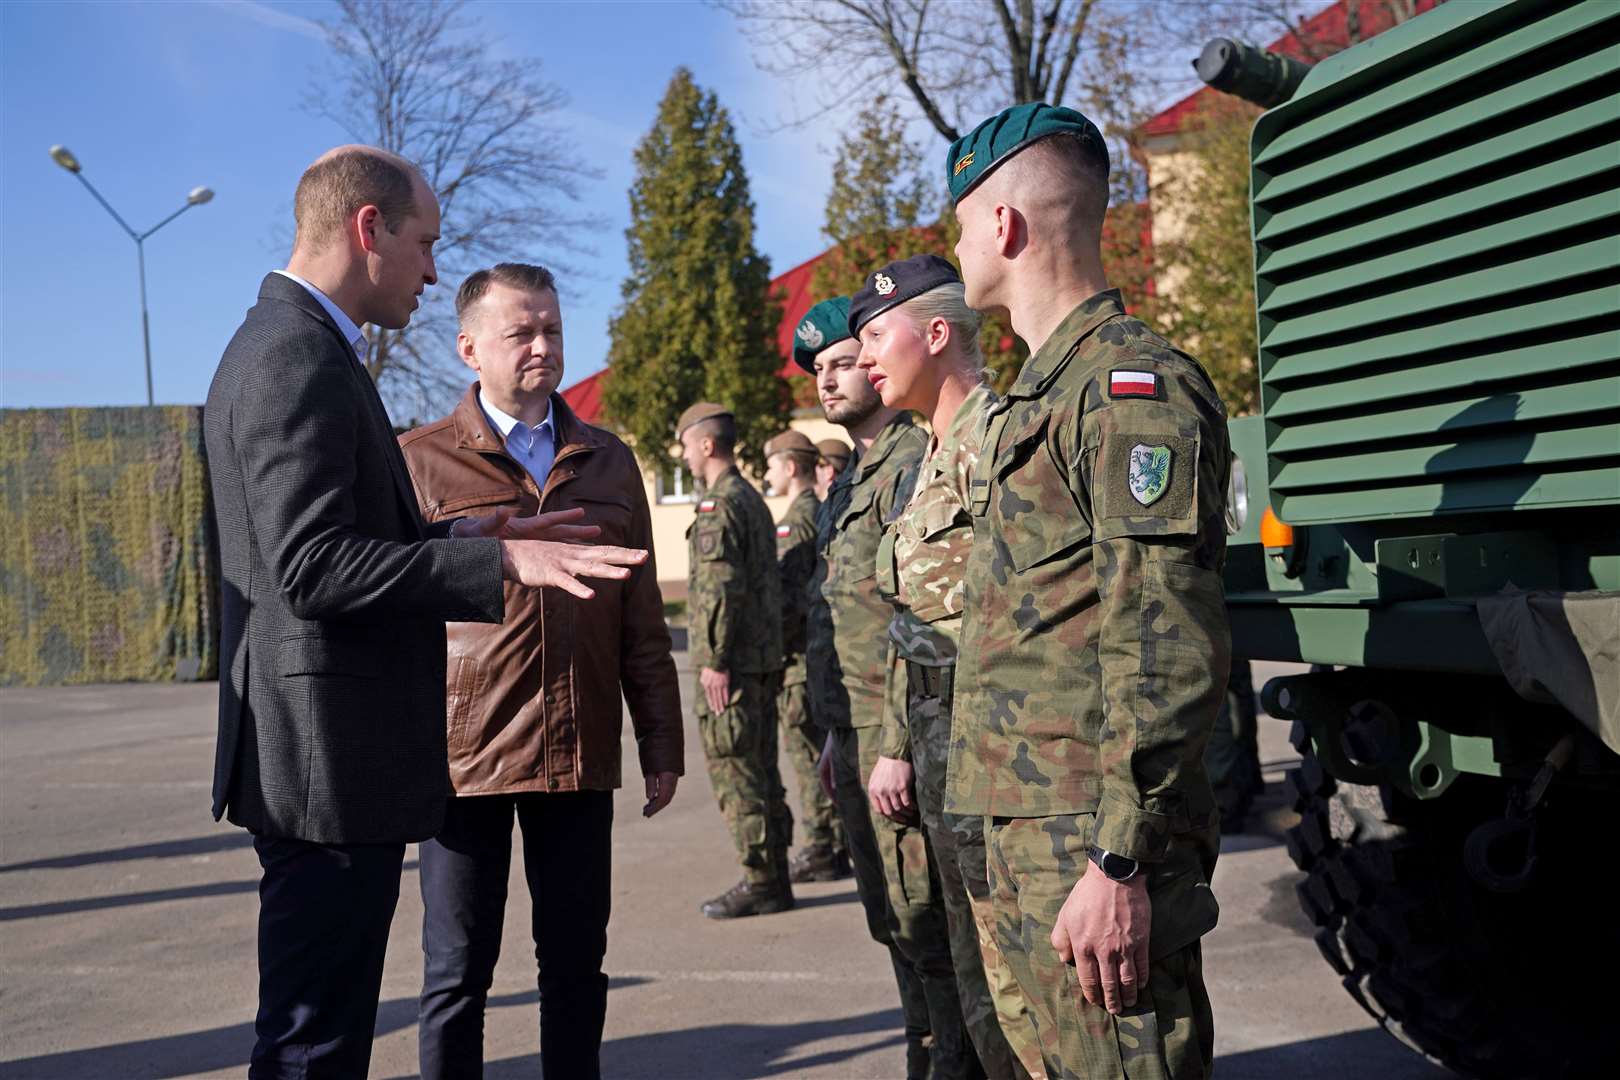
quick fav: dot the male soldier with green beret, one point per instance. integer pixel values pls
(790, 467)
(734, 634)
(1096, 648)
(834, 455)
(854, 681)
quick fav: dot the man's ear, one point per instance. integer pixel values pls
(467, 350)
(367, 220)
(1008, 224)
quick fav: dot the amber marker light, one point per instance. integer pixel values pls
(1275, 534)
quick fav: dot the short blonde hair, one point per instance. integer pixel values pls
(949, 302)
(342, 181)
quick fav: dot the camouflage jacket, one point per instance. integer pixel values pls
(1096, 649)
(850, 655)
(796, 560)
(734, 613)
(923, 558)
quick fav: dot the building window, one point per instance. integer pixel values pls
(675, 484)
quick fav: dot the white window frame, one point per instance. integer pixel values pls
(685, 487)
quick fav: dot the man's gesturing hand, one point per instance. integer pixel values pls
(559, 525)
(1103, 931)
(660, 789)
(542, 562)
(889, 788)
(716, 690)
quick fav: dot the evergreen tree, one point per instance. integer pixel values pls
(698, 321)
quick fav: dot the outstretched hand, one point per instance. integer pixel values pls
(560, 526)
(543, 562)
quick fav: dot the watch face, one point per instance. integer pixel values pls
(1118, 867)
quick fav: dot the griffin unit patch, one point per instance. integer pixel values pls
(1149, 475)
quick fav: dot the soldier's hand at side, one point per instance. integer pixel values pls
(543, 562)
(824, 768)
(889, 788)
(1102, 930)
(660, 789)
(716, 690)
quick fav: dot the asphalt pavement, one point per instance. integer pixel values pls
(127, 930)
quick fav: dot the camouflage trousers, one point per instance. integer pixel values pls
(1169, 1034)
(997, 1019)
(854, 811)
(740, 745)
(802, 740)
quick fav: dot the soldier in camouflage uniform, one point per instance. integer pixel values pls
(1096, 649)
(734, 633)
(852, 663)
(790, 464)
(834, 455)
(920, 350)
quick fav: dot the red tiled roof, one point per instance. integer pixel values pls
(793, 286)
(1327, 29)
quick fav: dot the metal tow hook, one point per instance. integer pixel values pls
(1501, 854)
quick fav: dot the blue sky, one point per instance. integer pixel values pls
(156, 98)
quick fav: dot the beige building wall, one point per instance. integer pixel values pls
(1167, 166)
(672, 512)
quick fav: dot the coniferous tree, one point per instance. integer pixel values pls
(698, 321)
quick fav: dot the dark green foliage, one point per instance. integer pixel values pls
(698, 321)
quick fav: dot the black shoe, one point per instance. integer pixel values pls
(744, 899)
(819, 864)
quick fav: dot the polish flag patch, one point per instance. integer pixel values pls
(706, 506)
(784, 531)
(1133, 384)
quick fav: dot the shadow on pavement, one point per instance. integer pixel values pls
(165, 849)
(1352, 1055)
(734, 1051)
(801, 901)
(153, 896)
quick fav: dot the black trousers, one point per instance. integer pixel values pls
(324, 911)
(567, 858)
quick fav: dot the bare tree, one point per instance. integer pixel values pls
(417, 79)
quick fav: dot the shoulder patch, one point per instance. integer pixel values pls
(1133, 384)
(784, 531)
(707, 506)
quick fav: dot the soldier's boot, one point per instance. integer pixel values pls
(819, 864)
(744, 899)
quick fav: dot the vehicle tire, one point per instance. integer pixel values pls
(1494, 985)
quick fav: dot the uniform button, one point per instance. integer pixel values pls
(552, 784)
(550, 700)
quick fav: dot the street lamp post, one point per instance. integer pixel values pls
(198, 195)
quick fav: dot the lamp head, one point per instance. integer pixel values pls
(64, 157)
(199, 195)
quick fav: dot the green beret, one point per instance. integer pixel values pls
(896, 283)
(975, 155)
(696, 414)
(823, 325)
(790, 442)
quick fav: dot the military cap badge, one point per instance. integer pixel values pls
(963, 162)
(810, 335)
(883, 284)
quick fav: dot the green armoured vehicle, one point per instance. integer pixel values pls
(1432, 514)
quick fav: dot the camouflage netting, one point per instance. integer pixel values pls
(106, 573)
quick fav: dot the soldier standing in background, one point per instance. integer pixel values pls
(920, 351)
(854, 683)
(734, 634)
(790, 465)
(834, 456)
(1096, 648)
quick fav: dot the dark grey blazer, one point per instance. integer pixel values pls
(331, 693)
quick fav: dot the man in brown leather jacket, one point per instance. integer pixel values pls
(533, 702)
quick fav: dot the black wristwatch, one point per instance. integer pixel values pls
(1119, 868)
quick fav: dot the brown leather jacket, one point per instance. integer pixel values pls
(533, 702)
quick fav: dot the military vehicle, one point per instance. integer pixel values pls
(1428, 514)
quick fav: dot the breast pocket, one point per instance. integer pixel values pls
(1035, 515)
(476, 504)
(852, 555)
(610, 515)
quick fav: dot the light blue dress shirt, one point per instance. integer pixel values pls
(351, 332)
(534, 448)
